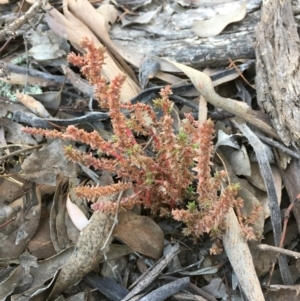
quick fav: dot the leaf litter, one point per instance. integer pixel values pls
(51, 240)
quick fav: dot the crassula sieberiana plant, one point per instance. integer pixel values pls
(171, 173)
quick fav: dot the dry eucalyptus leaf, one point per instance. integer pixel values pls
(117, 251)
(50, 99)
(46, 52)
(235, 153)
(15, 279)
(114, 268)
(14, 134)
(17, 233)
(75, 30)
(45, 270)
(33, 105)
(9, 191)
(241, 258)
(77, 216)
(72, 231)
(257, 180)
(226, 140)
(41, 245)
(204, 85)
(262, 196)
(85, 12)
(215, 25)
(47, 46)
(203, 2)
(250, 201)
(140, 233)
(268, 151)
(284, 159)
(238, 159)
(58, 229)
(43, 166)
(143, 18)
(110, 14)
(216, 288)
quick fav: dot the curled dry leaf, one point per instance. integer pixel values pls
(58, 229)
(41, 245)
(77, 216)
(143, 18)
(110, 14)
(24, 216)
(50, 99)
(140, 233)
(43, 166)
(75, 28)
(204, 85)
(215, 25)
(35, 106)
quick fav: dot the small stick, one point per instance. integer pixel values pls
(20, 151)
(114, 224)
(264, 247)
(286, 218)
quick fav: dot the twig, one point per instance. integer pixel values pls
(286, 218)
(187, 297)
(154, 273)
(168, 290)
(20, 151)
(8, 40)
(7, 222)
(57, 79)
(232, 63)
(194, 288)
(279, 146)
(27, 64)
(264, 247)
(10, 30)
(185, 268)
(108, 239)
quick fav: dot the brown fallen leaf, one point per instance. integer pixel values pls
(140, 233)
(215, 25)
(22, 223)
(41, 245)
(85, 12)
(72, 28)
(35, 106)
(43, 166)
(204, 85)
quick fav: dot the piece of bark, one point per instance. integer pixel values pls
(87, 254)
(277, 67)
(166, 37)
